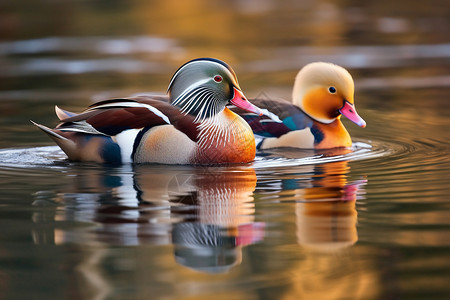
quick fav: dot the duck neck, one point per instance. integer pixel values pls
(331, 135)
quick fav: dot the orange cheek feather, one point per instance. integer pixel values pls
(319, 103)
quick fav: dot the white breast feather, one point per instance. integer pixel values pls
(125, 140)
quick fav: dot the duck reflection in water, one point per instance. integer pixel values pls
(324, 199)
(207, 213)
(213, 214)
(326, 221)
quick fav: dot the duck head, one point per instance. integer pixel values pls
(203, 87)
(324, 91)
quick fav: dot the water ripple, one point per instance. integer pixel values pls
(49, 156)
(53, 157)
(361, 150)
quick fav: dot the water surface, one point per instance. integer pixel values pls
(371, 222)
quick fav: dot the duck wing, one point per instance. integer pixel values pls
(291, 116)
(111, 117)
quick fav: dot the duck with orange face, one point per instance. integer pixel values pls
(322, 93)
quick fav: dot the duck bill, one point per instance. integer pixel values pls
(349, 111)
(240, 101)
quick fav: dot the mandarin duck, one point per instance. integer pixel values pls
(322, 93)
(194, 127)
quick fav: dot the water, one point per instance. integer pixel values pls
(370, 223)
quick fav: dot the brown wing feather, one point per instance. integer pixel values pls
(115, 117)
(184, 123)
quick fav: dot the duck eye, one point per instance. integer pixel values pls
(332, 89)
(218, 78)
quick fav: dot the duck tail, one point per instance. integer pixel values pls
(67, 145)
(62, 114)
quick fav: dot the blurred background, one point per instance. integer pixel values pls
(73, 52)
(76, 51)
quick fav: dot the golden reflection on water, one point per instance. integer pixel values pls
(324, 200)
(329, 223)
(213, 215)
(207, 213)
(208, 216)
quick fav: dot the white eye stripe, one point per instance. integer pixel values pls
(190, 89)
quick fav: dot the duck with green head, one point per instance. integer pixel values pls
(196, 127)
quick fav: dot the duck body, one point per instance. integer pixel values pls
(322, 93)
(296, 129)
(194, 128)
